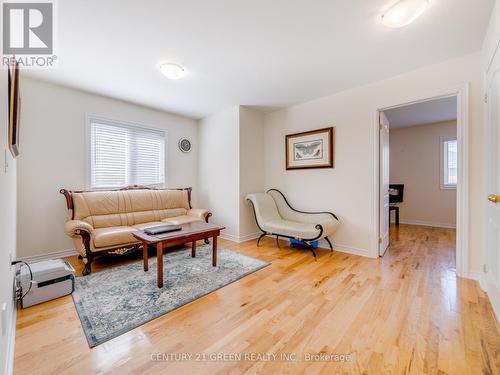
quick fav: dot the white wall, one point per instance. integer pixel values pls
(7, 230)
(54, 156)
(251, 167)
(231, 165)
(348, 189)
(218, 167)
(415, 155)
(491, 38)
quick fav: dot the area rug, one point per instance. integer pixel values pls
(118, 299)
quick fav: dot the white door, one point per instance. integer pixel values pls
(384, 184)
(492, 256)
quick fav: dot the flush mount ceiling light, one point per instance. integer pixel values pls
(404, 12)
(172, 70)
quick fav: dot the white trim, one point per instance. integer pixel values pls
(52, 255)
(475, 276)
(493, 293)
(481, 279)
(89, 117)
(322, 244)
(427, 223)
(248, 237)
(229, 237)
(11, 341)
(239, 239)
(345, 249)
(462, 243)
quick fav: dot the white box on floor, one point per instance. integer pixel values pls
(51, 279)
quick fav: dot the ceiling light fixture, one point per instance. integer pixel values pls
(172, 70)
(404, 12)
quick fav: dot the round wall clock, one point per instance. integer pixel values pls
(184, 145)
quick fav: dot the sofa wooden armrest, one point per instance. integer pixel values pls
(199, 213)
(75, 227)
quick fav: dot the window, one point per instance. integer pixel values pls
(449, 163)
(122, 154)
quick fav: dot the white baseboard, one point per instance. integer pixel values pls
(473, 275)
(427, 224)
(229, 237)
(239, 239)
(52, 255)
(9, 366)
(248, 237)
(346, 249)
(491, 289)
(493, 293)
(10, 331)
(322, 244)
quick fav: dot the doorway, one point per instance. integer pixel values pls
(413, 195)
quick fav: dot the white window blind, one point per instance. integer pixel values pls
(449, 167)
(122, 155)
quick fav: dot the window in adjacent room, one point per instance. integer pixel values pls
(122, 154)
(449, 163)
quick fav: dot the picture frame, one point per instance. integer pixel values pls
(14, 107)
(311, 149)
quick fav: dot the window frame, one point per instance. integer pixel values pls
(442, 142)
(89, 118)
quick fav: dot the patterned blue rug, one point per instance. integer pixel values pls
(116, 300)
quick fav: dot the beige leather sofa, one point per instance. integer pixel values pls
(276, 217)
(102, 222)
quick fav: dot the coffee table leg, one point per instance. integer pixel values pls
(159, 261)
(145, 255)
(214, 251)
(193, 249)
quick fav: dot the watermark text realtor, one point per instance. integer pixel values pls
(28, 34)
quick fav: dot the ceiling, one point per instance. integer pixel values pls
(428, 112)
(262, 53)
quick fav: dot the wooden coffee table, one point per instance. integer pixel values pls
(190, 232)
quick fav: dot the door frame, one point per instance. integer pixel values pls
(486, 280)
(462, 238)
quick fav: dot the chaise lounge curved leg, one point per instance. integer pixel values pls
(309, 246)
(314, 253)
(260, 237)
(329, 243)
(278, 241)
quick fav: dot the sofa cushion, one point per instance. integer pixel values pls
(179, 220)
(103, 209)
(291, 228)
(114, 236)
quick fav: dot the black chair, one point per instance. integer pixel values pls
(396, 192)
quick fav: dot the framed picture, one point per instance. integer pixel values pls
(14, 107)
(311, 149)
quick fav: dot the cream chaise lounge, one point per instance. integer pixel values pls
(276, 217)
(102, 222)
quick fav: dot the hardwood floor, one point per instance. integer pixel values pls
(404, 313)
